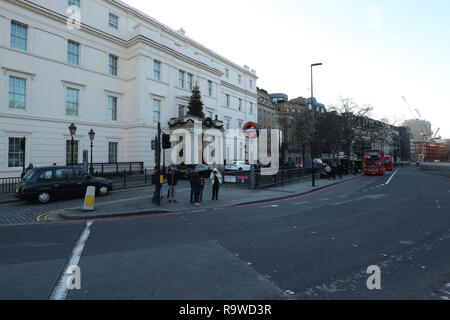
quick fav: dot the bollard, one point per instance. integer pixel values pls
(124, 178)
(89, 199)
(145, 175)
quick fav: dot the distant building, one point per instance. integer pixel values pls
(405, 143)
(420, 133)
(320, 107)
(278, 98)
(267, 113)
(291, 151)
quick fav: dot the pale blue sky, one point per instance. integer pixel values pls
(373, 51)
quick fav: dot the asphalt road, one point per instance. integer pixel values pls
(316, 246)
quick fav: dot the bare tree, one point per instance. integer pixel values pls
(302, 127)
(355, 126)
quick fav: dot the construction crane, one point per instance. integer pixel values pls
(435, 135)
(409, 107)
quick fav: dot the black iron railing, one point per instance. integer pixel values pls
(118, 168)
(8, 185)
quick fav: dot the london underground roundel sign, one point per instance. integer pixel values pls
(250, 130)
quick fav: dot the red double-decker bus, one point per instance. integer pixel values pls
(374, 162)
(388, 163)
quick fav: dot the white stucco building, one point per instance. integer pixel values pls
(120, 73)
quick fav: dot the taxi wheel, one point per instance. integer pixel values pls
(43, 197)
(103, 190)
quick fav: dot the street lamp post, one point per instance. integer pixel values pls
(92, 136)
(313, 109)
(73, 130)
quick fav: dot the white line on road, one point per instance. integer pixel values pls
(392, 177)
(437, 204)
(298, 203)
(60, 291)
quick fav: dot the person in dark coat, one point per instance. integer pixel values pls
(195, 186)
(340, 171)
(172, 181)
(216, 180)
(202, 187)
(333, 171)
(156, 181)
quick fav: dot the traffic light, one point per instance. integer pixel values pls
(166, 144)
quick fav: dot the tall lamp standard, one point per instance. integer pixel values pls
(92, 136)
(73, 130)
(313, 108)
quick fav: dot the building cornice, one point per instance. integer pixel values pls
(179, 36)
(235, 88)
(141, 38)
(122, 42)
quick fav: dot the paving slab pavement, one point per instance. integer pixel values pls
(228, 196)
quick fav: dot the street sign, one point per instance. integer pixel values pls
(250, 130)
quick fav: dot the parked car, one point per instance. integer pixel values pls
(238, 166)
(203, 170)
(51, 183)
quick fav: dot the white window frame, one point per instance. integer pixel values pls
(117, 108)
(81, 88)
(68, 153)
(112, 25)
(160, 109)
(11, 78)
(190, 85)
(210, 88)
(79, 52)
(181, 72)
(69, 4)
(117, 143)
(159, 64)
(27, 44)
(109, 65)
(29, 77)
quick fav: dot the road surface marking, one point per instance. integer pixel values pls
(298, 203)
(371, 197)
(392, 177)
(60, 291)
(437, 204)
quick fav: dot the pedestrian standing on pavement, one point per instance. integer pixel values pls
(172, 181)
(340, 171)
(333, 171)
(216, 180)
(202, 186)
(195, 187)
(188, 176)
(156, 181)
